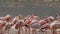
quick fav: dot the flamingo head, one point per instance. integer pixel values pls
(8, 18)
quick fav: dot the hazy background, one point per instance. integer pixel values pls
(26, 7)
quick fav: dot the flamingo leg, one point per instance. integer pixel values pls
(22, 30)
(28, 30)
(54, 31)
(0, 31)
(19, 31)
(25, 30)
(33, 31)
(46, 31)
(8, 31)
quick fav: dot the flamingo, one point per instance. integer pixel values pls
(17, 18)
(8, 27)
(2, 24)
(19, 25)
(12, 24)
(34, 17)
(35, 26)
(29, 19)
(6, 18)
(46, 25)
(27, 25)
(56, 24)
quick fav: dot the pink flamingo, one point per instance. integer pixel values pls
(6, 18)
(35, 26)
(47, 23)
(19, 25)
(30, 19)
(27, 25)
(9, 25)
(34, 17)
(17, 18)
(56, 24)
(2, 24)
